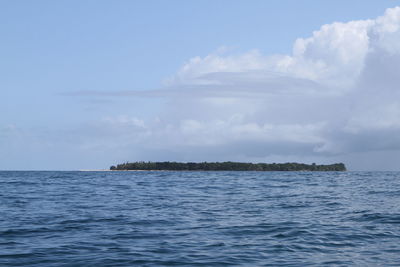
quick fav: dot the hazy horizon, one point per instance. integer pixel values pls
(89, 84)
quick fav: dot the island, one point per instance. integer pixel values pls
(224, 166)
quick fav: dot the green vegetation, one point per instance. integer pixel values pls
(226, 166)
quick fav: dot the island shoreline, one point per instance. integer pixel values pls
(225, 166)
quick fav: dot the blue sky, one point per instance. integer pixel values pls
(70, 72)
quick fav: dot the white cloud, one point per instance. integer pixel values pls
(338, 85)
(193, 71)
(333, 55)
(335, 95)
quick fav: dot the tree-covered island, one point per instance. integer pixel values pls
(225, 166)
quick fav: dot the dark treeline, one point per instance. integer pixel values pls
(226, 166)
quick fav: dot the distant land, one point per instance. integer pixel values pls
(224, 166)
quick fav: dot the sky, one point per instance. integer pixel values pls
(88, 84)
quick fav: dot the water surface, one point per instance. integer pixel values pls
(199, 218)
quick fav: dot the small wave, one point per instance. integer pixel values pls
(383, 218)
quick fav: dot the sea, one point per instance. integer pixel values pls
(165, 218)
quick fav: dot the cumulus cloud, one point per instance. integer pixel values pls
(338, 91)
(333, 55)
(336, 94)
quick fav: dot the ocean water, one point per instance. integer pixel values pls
(199, 218)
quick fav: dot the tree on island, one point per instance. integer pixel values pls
(225, 166)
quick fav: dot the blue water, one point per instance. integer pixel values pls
(199, 219)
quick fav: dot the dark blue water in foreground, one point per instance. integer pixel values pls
(199, 218)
